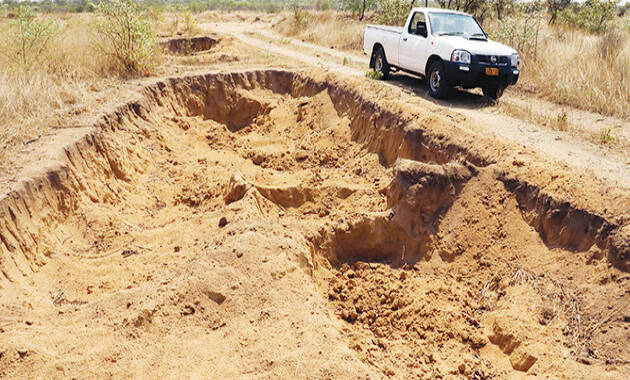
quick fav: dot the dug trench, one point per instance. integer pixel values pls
(189, 45)
(268, 224)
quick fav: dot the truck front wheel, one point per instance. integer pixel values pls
(380, 63)
(436, 80)
(493, 91)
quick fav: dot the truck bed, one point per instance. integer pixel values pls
(387, 28)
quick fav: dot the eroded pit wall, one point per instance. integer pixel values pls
(96, 164)
(189, 45)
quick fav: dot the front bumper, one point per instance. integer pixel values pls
(474, 74)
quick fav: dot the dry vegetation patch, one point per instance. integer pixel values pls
(327, 28)
(568, 66)
(67, 80)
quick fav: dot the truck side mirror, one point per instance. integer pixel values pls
(421, 30)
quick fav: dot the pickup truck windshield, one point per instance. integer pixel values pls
(453, 24)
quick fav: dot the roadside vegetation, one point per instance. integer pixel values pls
(58, 66)
(575, 54)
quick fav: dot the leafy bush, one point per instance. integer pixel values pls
(126, 36)
(592, 15)
(322, 5)
(28, 39)
(393, 12)
(555, 7)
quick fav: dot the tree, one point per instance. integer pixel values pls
(555, 7)
(29, 38)
(126, 35)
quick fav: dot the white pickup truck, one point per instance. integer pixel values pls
(448, 48)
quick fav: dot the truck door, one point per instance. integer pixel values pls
(413, 46)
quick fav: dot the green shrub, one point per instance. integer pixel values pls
(592, 15)
(28, 39)
(609, 135)
(126, 36)
(373, 74)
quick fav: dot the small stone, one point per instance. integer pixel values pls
(177, 248)
(217, 297)
(188, 310)
(301, 155)
(258, 159)
(22, 353)
(239, 254)
(223, 221)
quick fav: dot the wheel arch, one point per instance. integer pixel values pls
(431, 59)
(374, 49)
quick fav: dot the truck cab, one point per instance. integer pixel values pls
(448, 48)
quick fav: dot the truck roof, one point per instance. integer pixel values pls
(438, 10)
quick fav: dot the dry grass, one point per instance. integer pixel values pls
(68, 81)
(590, 72)
(581, 70)
(327, 28)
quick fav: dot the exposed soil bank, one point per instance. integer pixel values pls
(189, 45)
(224, 214)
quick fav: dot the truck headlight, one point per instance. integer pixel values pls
(460, 56)
(515, 60)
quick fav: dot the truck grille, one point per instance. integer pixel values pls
(501, 60)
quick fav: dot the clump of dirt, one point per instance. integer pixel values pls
(305, 231)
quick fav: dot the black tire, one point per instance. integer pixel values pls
(493, 91)
(380, 63)
(437, 82)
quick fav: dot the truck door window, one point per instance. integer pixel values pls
(418, 25)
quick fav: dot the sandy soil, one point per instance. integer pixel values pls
(305, 224)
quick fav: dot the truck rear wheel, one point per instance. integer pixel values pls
(436, 80)
(380, 63)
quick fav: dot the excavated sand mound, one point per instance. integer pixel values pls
(270, 225)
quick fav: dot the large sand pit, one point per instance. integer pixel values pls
(270, 225)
